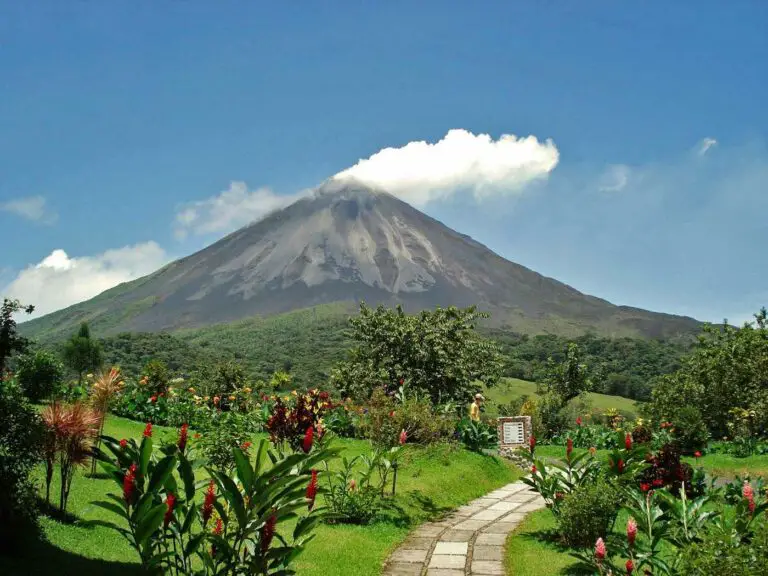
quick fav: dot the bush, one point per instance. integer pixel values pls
(690, 430)
(292, 417)
(39, 374)
(21, 435)
(723, 555)
(667, 470)
(588, 513)
(224, 432)
(351, 497)
(477, 436)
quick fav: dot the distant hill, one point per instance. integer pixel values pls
(342, 245)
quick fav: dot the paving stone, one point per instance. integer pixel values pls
(405, 555)
(428, 530)
(455, 562)
(451, 548)
(444, 572)
(487, 567)
(403, 569)
(485, 501)
(530, 507)
(519, 497)
(457, 536)
(417, 543)
(489, 539)
(488, 514)
(494, 553)
(473, 525)
(501, 527)
(505, 506)
(516, 516)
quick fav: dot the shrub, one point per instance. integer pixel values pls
(722, 555)
(690, 429)
(588, 513)
(293, 416)
(477, 436)
(224, 432)
(351, 496)
(156, 377)
(39, 374)
(667, 470)
(20, 450)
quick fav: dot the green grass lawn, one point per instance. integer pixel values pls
(510, 388)
(431, 481)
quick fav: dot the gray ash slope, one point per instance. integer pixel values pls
(347, 243)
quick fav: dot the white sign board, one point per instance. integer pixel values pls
(513, 433)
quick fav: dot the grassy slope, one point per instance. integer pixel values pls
(511, 388)
(430, 481)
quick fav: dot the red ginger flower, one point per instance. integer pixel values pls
(533, 469)
(620, 466)
(148, 430)
(644, 486)
(658, 482)
(210, 497)
(268, 532)
(170, 501)
(630, 566)
(312, 490)
(123, 443)
(600, 550)
(153, 399)
(246, 445)
(403, 437)
(532, 443)
(628, 441)
(569, 448)
(308, 437)
(183, 437)
(129, 484)
(747, 491)
(697, 454)
(631, 531)
(578, 421)
(219, 528)
(353, 485)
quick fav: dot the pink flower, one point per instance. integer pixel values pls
(631, 531)
(308, 436)
(628, 442)
(747, 491)
(403, 437)
(600, 551)
(148, 430)
(697, 454)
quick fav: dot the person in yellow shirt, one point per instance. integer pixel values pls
(474, 408)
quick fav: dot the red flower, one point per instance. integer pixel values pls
(403, 437)
(392, 414)
(197, 436)
(153, 399)
(569, 448)
(312, 489)
(658, 482)
(749, 493)
(246, 445)
(129, 484)
(219, 528)
(628, 442)
(578, 421)
(123, 444)
(183, 437)
(697, 454)
(169, 502)
(620, 466)
(559, 495)
(600, 550)
(533, 469)
(751, 506)
(210, 497)
(268, 532)
(308, 436)
(644, 486)
(216, 400)
(631, 531)
(402, 381)
(630, 566)
(148, 430)
(532, 443)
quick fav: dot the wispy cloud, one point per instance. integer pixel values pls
(33, 208)
(705, 145)
(229, 210)
(615, 178)
(420, 172)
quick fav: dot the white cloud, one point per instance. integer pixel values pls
(421, 171)
(615, 178)
(59, 281)
(229, 210)
(32, 208)
(705, 145)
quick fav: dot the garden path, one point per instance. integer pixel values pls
(470, 541)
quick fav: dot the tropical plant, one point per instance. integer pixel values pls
(588, 512)
(70, 429)
(351, 497)
(477, 436)
(233, 528)
(39, 374)
(295, 416)
(103, 391)
(223, 432)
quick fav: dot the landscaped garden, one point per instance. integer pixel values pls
(206, 471)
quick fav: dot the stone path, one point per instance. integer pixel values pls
(470, 541)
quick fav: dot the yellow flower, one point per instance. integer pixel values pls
(232, 397)
(206, 398)
(294, 392)
(191, 389)
(247, 390)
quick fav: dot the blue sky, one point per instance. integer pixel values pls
(119, 118)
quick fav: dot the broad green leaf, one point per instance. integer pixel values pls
(160, 473)
(244, 470)
(187, 476)
(145, 454)
(112, 507)
(150, 523)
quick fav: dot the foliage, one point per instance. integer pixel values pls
(295, 415)
(39, 374)
(173, 531)
(568, 378)
(477, 436)
(103, 391)
(691, 432)
(727, 370)
(224, 432)
(70, 428)
(82, 353)
(21, 435)
(720, 554)
(10, 341)
(156, 377)
(343, 420)
(437, 353)
(588, 436)
(351, 496)
(588, 512)
(665, 469)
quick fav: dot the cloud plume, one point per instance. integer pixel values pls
(420, 172)
(32, 208)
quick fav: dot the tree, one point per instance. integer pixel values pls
(436, 353)
(726, 373)
(81, 353)
(10, 341)
(39, 374)
(568, 378)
